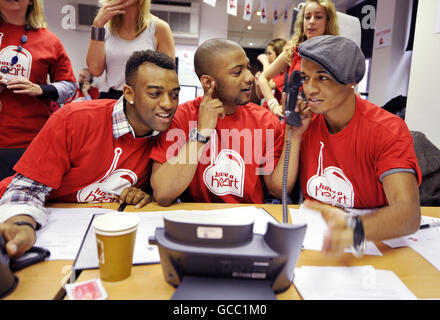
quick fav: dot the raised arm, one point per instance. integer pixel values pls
(171, 178)
(96, 53)
(164, 38)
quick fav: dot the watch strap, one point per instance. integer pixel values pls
(359, 243)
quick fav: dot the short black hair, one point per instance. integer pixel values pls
(208, 52)
(138, 58)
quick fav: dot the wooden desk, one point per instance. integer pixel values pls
(147, 281)
(42, 281)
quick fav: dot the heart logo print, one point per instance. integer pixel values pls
(113, 182)
(330, 185)
(225, 175)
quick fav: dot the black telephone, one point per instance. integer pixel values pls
(292, 90)
(8, 281)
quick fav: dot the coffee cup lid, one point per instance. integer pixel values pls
(116, 222)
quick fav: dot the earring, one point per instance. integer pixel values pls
(131, 102)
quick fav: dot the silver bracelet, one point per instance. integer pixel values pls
(98, 33)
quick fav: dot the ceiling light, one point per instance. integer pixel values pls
(258, 13)
(249, 27)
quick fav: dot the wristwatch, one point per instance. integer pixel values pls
(194, 135)
(359, 242)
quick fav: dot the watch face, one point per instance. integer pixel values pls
(193, 134)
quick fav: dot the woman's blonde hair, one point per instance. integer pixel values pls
(143, 19)
(34, 16)
(332, 27)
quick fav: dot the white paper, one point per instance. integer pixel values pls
(231, 7)
(350, 283)
(64, 232)
(317, 227)
(425, 242)
(383, 37)
(247, 10)
(144, 253)
(210, 2)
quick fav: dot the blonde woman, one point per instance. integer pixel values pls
(120, 28)
(315, 18)
(29, 55)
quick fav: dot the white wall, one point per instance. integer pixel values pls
(423, 107)
(390, 66)
(76, 41)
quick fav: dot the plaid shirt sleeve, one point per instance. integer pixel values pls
(25, 190)
(24, 193)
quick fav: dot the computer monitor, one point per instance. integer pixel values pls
(187, 93)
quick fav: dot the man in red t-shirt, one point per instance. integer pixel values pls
(92, 151)
(220, 146)
(354, 154)
(85, 90)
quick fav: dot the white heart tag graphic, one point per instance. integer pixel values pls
(331, 185)
(111, 184)
(226, 175)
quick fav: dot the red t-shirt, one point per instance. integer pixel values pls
(296, 62)
(345, 168)
(93, 93)
(246, 143)
(77, 155)
(22, 116)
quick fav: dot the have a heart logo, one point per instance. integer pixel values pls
(111, 184)
(331, 185)
(226, 174)
(21, 69)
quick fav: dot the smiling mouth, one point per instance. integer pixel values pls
(164, 115)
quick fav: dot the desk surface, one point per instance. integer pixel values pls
(147, 281)
(45, 280)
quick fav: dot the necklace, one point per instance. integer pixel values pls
(14, 59)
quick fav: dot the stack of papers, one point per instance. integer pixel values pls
(350, 283)
(425, 242)
(316, 229)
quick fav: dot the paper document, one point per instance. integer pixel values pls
(144, 253)
(350, 283)
(64, 232)
(316, 229)
(425, 242)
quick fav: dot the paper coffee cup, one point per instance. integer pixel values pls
(115, 237)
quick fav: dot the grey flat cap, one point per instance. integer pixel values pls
(339, 56)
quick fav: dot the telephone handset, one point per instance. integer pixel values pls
(292, 89)
(8, 281)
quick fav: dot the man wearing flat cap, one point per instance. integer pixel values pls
(354, 154)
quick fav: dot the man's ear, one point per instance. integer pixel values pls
(128, 92)
(206, 81)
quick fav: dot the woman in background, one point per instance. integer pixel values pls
(315, 18)
(273, 49)
(120, 28)
(29, 55)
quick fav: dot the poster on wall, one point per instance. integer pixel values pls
(383, 38)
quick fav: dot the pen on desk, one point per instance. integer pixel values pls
(429, 225)
(122, 206)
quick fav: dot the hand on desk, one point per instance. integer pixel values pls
(339, 236)
(18, 239)
(135, 196)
